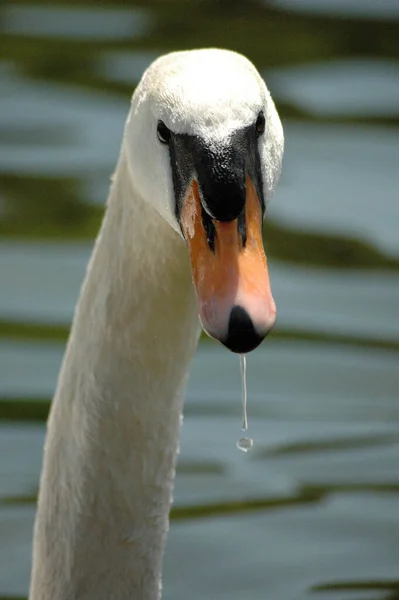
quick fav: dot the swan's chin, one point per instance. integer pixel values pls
(230, 274)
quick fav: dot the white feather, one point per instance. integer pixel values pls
(112, 435)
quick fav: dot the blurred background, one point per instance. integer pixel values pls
(313, 510)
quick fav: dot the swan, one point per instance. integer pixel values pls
(181, 238)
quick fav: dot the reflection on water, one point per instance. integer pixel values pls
(367, 9)
(375, 586)
(73, 23)
(312, 511)
(340, 87)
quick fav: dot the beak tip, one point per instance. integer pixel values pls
(242, 335)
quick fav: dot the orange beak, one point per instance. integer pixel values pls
(235, 301)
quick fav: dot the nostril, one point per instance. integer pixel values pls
(242, 335)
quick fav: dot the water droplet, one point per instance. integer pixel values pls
(245, 444)
(243, 368)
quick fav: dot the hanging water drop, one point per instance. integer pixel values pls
(243, 369)
(245, 444)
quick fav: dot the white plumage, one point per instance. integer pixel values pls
(112, 436)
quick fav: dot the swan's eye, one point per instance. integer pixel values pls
(260, 124)
(163, 133)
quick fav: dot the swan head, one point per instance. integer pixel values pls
(204, 145)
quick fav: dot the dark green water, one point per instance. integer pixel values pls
(313, 511)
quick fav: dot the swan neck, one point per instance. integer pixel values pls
(112, 436)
